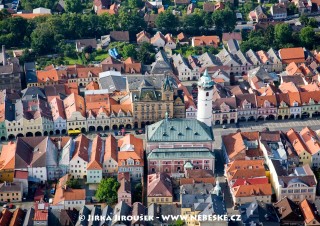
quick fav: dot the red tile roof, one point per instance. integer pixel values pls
(96, 152)
(206, 40)
(159, 185)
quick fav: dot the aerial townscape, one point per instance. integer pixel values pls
(159, 112)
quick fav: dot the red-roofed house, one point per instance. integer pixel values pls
(94, 167)
(130, 156)
(58, 116)
(110, 158)
(80, 158)
(124, 192)
(159, 189)
(66, 197)
(21, 177)
(205, 41)
(310, 213)
(289, 55)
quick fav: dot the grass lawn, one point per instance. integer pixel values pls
(72, 61)
(101, 56)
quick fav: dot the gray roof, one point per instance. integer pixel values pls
(260, 72)
(30, 71)
(113, 83)
(32, 92)
(233, 45)
(96, 211)
(180, 153)
(259, 213)
(28, 220)
(106, 212)
(179, 130)
(136, 82)
(10, 69)
(85, 211)
(11, 187)
(207, 60)
(121, 209)
(162, 64)
(200, 188)
(251, 55)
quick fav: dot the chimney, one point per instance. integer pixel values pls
(4, 55)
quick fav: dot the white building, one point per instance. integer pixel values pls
(205, 97)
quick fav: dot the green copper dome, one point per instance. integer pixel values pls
(205, 81)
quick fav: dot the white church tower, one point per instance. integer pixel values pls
(205, 96)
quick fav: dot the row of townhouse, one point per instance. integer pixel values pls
(95, 159)
(290, 148)
(45, 158)
(50, 110)
(250, 107)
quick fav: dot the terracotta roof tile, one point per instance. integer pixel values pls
(19, 174)
(17, 218)
(252, 190)
(296, 141)
(96, 154)
(294, 97)
(81, 147)
(206, 40)
(311, 140)
(289, 55)
(8, 155)
(111, 148)
(30, 15)
(292, 69)
(287, 87)
(92, 86)
(130, 147)
(309, 212)
(74, 103)
(57, 108)
(6, 217)
(159, 185)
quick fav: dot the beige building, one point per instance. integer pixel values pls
(11, 192)
(74, 106)
(159, 189)
(153, 98)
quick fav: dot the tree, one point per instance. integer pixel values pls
(192, 24)
(283, 34)
(134, 4)
(74, 6)
(27, 56)
(31, 4)
(42, 39)
(129, 51)
(74, 183)
(137, 193)
(130, 20)
(313, 22)
(146, 53)
(292, 9)
(178, 222)
(303, 19)
(4, 14)
(107, 191)
(307, 37)
(224, 20)
(166, 22)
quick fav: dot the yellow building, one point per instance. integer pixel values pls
(153, 97)
(7, 162)
(159, 189)
(11, 192)
(300, 147)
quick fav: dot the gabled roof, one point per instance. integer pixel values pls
(57, 108)
(252, 190)
(288, 211)
(159, 185)
(111, 148)
(81, 148)
(292, 53)
(311, 140)
(96, 154)
(6, 216)
(309, 212)
(121, 36)
(17, 218)
(74, 103)
(125, 186)
(296, 141)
